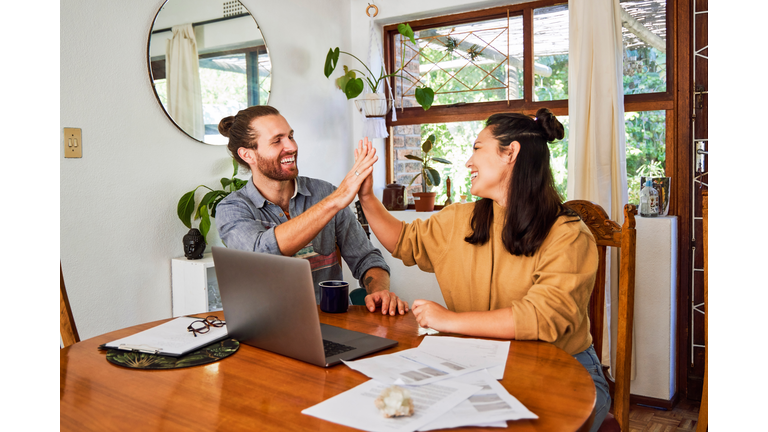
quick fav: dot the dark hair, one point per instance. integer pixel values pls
(239, 131)
(533, 203)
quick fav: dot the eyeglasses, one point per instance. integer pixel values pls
(203, 326)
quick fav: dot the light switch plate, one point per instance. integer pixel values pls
(73, 143)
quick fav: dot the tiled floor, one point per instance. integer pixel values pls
(682, 418)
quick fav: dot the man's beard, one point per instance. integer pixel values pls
(274, 170)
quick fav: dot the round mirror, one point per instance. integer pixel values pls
(207, 60)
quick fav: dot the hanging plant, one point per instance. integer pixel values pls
(474, 52)
(352, 85)
(451, 44)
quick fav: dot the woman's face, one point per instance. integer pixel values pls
(489, 168)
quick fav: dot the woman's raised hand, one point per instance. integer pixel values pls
(365, 157)
(365, 147)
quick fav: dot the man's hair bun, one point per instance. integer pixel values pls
(225, 124)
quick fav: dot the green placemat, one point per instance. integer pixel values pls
(209, 354)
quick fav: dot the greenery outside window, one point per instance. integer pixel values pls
(534, 34)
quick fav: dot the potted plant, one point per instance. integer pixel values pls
(425, 200)
(206, 209)
(352, 85)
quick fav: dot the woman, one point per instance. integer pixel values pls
(516, 264)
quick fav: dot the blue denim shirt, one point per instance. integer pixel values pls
(247, 221)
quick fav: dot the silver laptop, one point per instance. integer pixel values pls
(269, 302)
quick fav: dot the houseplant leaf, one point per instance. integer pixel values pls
(406, 30)
(205, 222)
(186, 207)
(353, 88)
(425, 96)
(331, 60)
(341, 82)
(210, 196)
(433, 176)
(441, 160)
(412, 157)
(427, 146)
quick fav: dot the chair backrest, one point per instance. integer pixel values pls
(608, 233)
(67, 327)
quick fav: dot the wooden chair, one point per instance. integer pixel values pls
(608, 233)
(703, 421)
(67, 327)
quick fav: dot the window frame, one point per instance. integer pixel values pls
(482, 110)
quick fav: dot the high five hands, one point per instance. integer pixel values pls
(365, 149)
(359, 175)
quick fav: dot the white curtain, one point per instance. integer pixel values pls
(185, 98)
(597, 169)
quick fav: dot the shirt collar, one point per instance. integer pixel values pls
(300, 187)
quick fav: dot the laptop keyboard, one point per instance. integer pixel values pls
(333, 348)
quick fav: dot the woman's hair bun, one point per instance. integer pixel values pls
(225, 124)
(553, 129)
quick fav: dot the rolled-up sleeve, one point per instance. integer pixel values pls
(556, 305)
(239, 228)
(424, 242)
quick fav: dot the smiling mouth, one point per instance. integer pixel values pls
(289, 160)
(472, 176)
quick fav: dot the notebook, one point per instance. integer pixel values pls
(269, 303)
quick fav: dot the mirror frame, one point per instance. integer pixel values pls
(149, 62)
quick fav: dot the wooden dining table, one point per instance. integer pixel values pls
(254, 389)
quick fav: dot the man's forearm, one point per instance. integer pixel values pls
(297, 232)
(376, 279)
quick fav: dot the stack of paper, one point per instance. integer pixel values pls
(452, 383)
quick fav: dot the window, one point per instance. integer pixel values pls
(515, 59)
(229, 81)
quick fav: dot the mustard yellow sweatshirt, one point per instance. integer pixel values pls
(547, 292)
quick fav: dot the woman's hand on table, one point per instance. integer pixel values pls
(432, 315)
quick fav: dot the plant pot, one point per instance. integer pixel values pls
(373, 105)
(424, 201)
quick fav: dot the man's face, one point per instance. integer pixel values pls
(276, 151)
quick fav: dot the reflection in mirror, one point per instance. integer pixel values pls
(207, 61)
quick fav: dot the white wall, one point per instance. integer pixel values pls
(118, 223)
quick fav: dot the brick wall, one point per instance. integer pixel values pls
(406, 139)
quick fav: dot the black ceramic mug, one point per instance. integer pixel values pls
(334, 296)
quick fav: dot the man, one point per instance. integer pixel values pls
(279, 212)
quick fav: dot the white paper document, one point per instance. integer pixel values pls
(491, 406)
(355, 408)
(171, 338)
(469, 351)
(410, 367)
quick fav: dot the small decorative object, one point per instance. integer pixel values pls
(448, 191)
(663, 187)
(186, 206)
(463, 199)
(395, 401)
(194, 244)
(649, 200)
(394, 197)
(424, 200)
